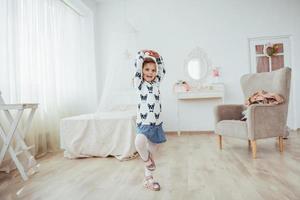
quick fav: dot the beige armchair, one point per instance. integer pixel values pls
(264, 121)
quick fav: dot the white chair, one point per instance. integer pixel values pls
(12, 133)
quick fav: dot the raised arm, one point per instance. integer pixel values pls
(138, 79)
(161, 71)
(138, 63)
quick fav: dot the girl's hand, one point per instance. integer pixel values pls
(151, 53)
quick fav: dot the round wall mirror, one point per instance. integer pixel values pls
(197, 65)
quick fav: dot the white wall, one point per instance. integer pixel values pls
(221, 28)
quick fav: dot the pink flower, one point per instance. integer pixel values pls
(215, 73)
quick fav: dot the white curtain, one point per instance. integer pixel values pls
(47, 57)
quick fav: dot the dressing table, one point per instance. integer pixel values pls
(199, 101)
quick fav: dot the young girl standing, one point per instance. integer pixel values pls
(149, 72)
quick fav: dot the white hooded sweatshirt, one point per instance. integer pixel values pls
(149, 106)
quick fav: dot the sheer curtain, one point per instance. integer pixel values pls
(118, 88)
(47, 57)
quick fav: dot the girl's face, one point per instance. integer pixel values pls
(149, 72)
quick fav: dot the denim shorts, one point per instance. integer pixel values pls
(154, 133)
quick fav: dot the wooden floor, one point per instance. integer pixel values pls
(188, 167)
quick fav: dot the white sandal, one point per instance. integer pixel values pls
(150, 184)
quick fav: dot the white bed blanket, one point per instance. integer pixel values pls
(102, 134)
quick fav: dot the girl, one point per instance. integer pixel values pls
(149, 72)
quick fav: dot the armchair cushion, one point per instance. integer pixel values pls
(232, 128)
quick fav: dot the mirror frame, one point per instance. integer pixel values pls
(198, 54)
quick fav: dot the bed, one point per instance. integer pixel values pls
(101, 134)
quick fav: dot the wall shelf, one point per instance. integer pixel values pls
(209, 94)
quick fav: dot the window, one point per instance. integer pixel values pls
(269, 53)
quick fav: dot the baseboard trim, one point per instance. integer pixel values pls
(189, 132)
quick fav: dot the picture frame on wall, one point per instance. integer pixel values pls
(269, 53)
